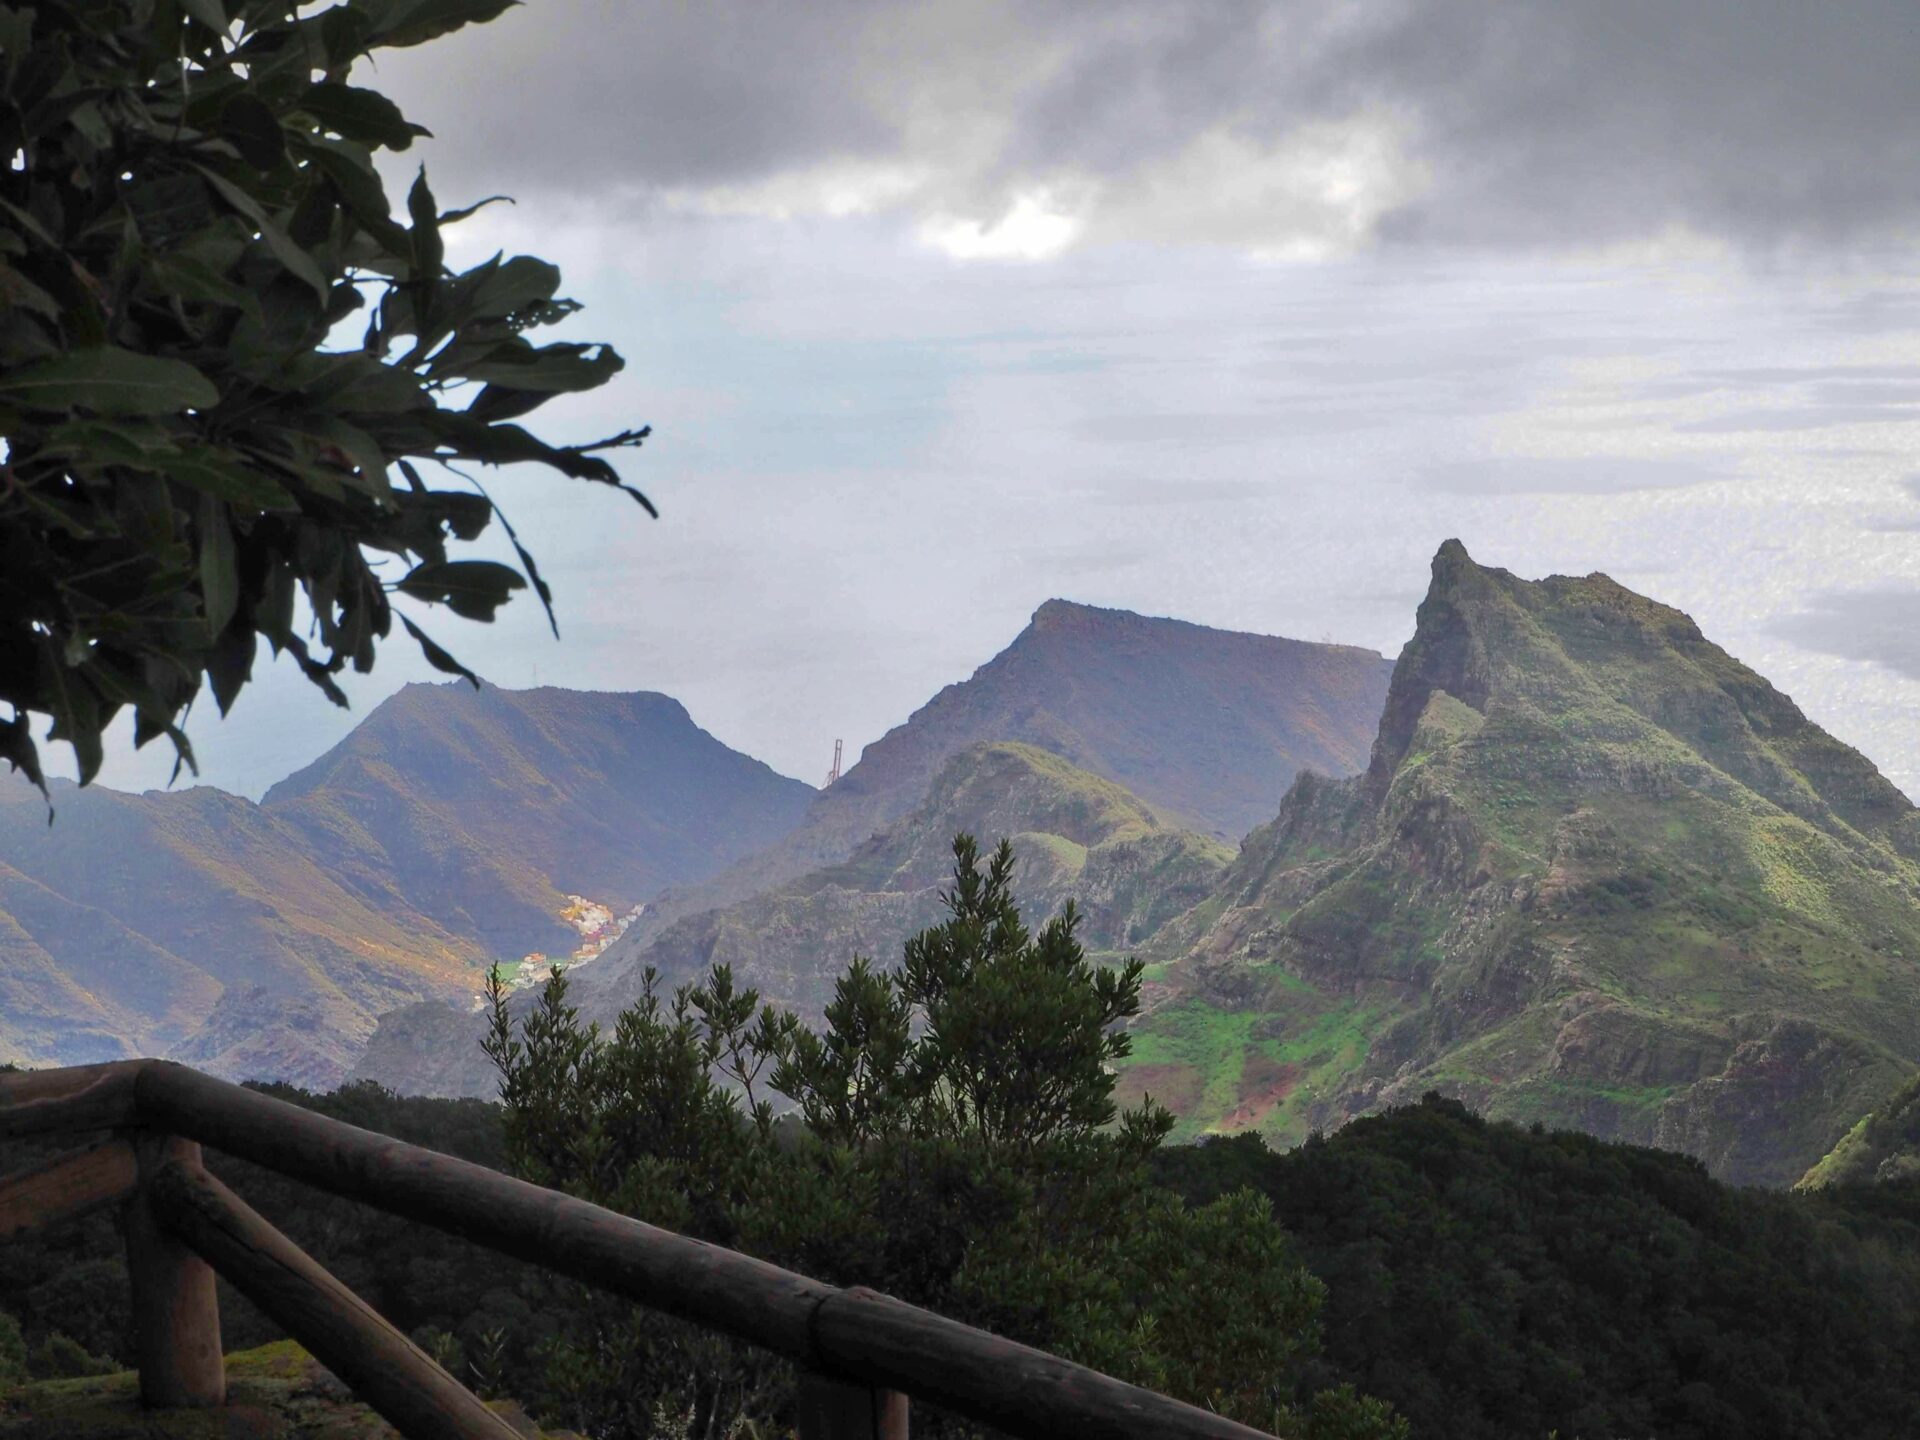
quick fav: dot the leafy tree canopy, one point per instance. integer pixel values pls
(954, 1143)
(189, 210)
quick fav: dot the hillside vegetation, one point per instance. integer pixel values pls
(1494, 1282)
(1885, 1145)
(1597, 873)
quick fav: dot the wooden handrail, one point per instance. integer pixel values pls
(345, 1334)
(851, 1336)
(66, 1187)
(81, 1097)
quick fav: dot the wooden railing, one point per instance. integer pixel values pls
(861, 1354)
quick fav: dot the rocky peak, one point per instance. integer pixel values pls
(1448, 652)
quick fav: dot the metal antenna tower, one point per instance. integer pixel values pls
(834, 773)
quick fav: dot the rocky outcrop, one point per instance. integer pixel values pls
(1597, 873)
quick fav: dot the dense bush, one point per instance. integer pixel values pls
(957, 1146)
(1493, 1282)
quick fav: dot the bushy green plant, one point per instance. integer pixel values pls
(13, 1352)
(59, 1357)
(953, 1142)
(189, 214)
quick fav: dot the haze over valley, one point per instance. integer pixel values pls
(1564, 859)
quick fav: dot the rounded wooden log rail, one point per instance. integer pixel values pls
(856, 1334)
(176, 1308)
(66, 1186)
(80, 1097)
(352, 1339)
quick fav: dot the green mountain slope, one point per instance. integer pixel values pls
(1208, 727)
(1883, 1146)
(1598, 873)
(1074, 834)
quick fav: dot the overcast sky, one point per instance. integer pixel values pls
(1224, 311)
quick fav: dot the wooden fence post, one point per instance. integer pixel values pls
(836, 1409)
(176, 1312)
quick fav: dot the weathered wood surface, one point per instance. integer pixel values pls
(347, 1335)
(708, 1284)
(1012, 1387)
(857, 1334)
(833, 1409)
(80, 1097)
(176, 1312)
(65, 1187)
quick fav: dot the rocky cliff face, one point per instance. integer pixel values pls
(1597, 873)
(260, 941)
(1208, 727)
(1074, 835)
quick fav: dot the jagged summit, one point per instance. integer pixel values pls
(1598, 872)
(1608, 661)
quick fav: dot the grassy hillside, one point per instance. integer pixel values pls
(1598, 873)
(1884, 1145)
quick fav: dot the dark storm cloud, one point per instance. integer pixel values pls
(1880, 626)
(1765, 122)
(1759, 120)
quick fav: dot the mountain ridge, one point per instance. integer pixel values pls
(261, 940)
(1114, 693)
(1075, 834)
(1597, 873)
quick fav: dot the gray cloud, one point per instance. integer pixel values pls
(1569, 475)
(1881, 626)
(1461, 122)
(1797, 418)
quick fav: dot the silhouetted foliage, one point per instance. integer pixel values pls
(1489, 1280)
(190, 212)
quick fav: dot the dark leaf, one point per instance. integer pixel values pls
(429, 253)
(438, 658)
(254, 131)
(219, 573)
(414, 22)
(225, 477)
(473, 589)
(363, 115)
(209, 13)
(109, 381)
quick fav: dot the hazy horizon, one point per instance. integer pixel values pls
(1223, 312)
